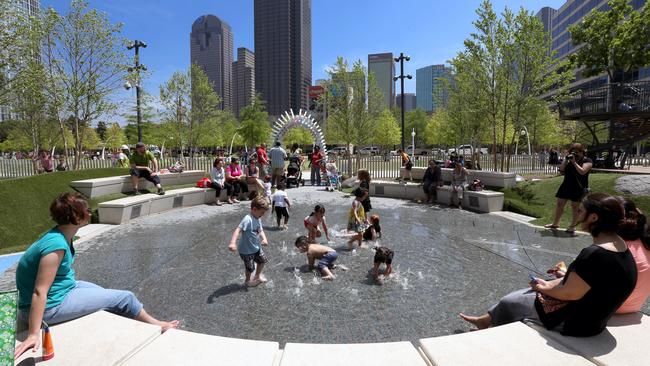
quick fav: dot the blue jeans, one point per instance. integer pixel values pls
(87, 298)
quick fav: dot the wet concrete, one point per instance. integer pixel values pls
(446, 261)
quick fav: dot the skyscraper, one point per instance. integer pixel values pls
(211, 49)
(410, 101)
(243, 79)
(383, 67)
(429, 88)
(283, 53)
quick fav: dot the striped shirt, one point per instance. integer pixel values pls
(277, 155)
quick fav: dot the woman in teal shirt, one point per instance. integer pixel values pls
(46, 282)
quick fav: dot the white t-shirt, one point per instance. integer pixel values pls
(279, 198)
(267, 189)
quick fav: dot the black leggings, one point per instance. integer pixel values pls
(235, 187)
(217, 188)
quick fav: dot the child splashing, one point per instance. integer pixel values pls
(357, 217)
(315, 219)
(325, 255)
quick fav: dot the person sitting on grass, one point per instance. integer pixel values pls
(325, 255)
(47, 288)
(140, 168)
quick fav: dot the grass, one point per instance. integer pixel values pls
(26, 202)
(537, 199)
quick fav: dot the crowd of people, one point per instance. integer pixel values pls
(611, 275)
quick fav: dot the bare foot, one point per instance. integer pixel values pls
(328, 278)
(480, 322)
(342, 267)
(169, 325)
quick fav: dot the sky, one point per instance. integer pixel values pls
(429, 31)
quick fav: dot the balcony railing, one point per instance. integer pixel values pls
(611, 100)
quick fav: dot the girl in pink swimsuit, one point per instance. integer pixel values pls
(312, 222)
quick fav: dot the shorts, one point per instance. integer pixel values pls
(277, 171)
(142, 173)
(249, 259)
(388, 260)
(327, 260)
(281, 211)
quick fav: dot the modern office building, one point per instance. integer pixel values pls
(29, 7)
(410, 101)
(243, 79)
(283, 54)
(383, 68)
(557, 22)
(211, 47)
(429, 89)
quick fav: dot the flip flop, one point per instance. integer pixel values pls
(570, 231)
(551, 226)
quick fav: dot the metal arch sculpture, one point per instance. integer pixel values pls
(302, 119)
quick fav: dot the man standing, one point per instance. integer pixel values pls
(140, 168)
(262, 159)
(278, 155)
(316, 159)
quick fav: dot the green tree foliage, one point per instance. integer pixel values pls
(204, 114)
(176, 99)
(416, 119)
(101, 130)
(298, 135)
(114, 136)
(14, 40)
(612, 41)
(254, 126)
(387, 130)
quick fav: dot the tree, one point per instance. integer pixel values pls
(175, 97)
(13, 42)
(416, 119)
(614, 41)
(114, 136)
(298, 135)
(387, 130)
(101, 130)
(205, 106)
(254, 127)
(90, 64)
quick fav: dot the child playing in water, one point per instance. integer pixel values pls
(267, 188)
(373, 232)
(312, 222)
(357, 217)
(249, 244)
(281, 205)
(383, 255)
(324, 254)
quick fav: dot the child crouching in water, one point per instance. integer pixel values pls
(373, 232)
(311, 222)
(357, 217)
(325, 255)
(249, 244)
(383, 255)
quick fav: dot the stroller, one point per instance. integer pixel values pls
(294, 174)
(333, 178)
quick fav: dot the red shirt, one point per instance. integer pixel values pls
(316, 157)
(261, 156)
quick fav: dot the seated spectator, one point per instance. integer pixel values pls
(431, 181)
(62, 165)
(123, 157)
(596, 284)
(47, 288)
(234, 182)
(217, 179)
(253, 175)
(140, 168)
(637, 236)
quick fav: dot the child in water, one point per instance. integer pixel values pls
(357, 217)
(316, 218)
(267, 188)
(252, 237)
(383, 255)
(281, 206)
(325, 255)
(373, 232)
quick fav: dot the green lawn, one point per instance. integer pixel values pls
(538, 198)
(26, 202)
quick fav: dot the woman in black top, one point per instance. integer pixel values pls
(596, 284)
(575, 185)
(364, 182)
(431, 181)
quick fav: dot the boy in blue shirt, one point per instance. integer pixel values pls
(249, 247)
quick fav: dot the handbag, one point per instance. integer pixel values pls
(550, 304)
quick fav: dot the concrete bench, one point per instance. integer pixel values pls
(490, 179)
(623, 342)
(97, 339)
(355, 354)
(178, 347)
(92, 188)
(512, 344)
(482, 201)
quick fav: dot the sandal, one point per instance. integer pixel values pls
(570, 230)
(551, 226)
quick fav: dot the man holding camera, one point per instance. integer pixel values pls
(575, 185)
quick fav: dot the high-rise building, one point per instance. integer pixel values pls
(29, 8)
(243, 79)
(557, 22)
(410, 101)
(283, 54)
(211, 48)
(383, 67)
(429, 89)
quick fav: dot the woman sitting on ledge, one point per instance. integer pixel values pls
(47, 288)
(595, 285)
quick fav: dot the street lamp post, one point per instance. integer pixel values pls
(413, 142)
(401, 76)
(137, 44)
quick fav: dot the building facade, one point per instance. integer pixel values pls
(557, 23)
(429, 89)
(410, 101)
(211, 48)
(283, 54)
(382, 66)
(243, 78)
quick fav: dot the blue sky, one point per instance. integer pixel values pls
(430, 31)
